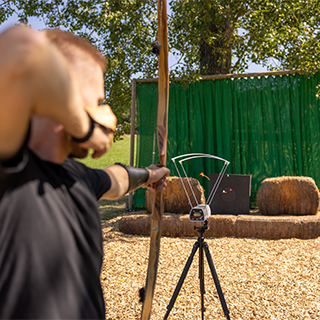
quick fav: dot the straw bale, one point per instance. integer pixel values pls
(174, 197)
(242, 226)
(174, 225)
(277, 227)
(288, 196)
(136, 224)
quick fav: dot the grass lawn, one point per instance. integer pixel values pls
(119, 152)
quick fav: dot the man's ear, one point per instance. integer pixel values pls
(58, 128)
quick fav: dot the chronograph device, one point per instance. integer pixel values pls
(199, 213)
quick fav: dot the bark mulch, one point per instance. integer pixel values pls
(260, 279)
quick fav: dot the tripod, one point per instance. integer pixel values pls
(203, 246)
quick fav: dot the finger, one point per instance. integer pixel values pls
(159, 187)
(98, 154)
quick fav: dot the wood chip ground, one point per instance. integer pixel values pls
(260, 279)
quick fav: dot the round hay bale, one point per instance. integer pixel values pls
(174, 197)
(288, 196)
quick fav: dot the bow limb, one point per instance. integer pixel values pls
(162, 134)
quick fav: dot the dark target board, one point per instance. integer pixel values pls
(232, 195)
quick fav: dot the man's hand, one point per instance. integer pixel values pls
(102, 138)
(100, 142)
(156, 174)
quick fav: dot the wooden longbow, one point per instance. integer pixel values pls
(162, 134)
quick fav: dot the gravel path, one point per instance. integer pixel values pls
(261, 279)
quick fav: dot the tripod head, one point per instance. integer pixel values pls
(201, 230)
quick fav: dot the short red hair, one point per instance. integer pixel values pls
(66, 41)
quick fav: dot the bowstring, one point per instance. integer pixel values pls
(153, 156)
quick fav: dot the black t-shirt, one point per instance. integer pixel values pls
(50, 240)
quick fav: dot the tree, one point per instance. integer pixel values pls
(206, 36)
(237, 32)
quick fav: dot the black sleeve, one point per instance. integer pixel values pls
(17, 162)
(97, 180)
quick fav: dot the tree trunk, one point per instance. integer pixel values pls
(216, 58)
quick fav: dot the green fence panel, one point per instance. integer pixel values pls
(265, 126)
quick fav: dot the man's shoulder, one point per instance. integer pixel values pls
(97, 180)
(73, 165)
(80, 171)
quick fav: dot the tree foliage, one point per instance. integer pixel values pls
(278, 34)
(281, 35)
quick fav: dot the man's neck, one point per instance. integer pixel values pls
(49, 141)
(52, 154)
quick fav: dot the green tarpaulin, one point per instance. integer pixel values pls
(265, 127)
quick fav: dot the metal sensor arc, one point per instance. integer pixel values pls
(201, 212)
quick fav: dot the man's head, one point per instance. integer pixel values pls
(67, 42)
(86, 61)
(88, 65)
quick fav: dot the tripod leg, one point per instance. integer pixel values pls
(181, 280)
(201, 278)
(216, 281)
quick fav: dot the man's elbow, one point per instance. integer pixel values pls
(20, 49)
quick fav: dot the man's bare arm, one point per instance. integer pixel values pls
(120, 180)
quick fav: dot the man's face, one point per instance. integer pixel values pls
(91, 84)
